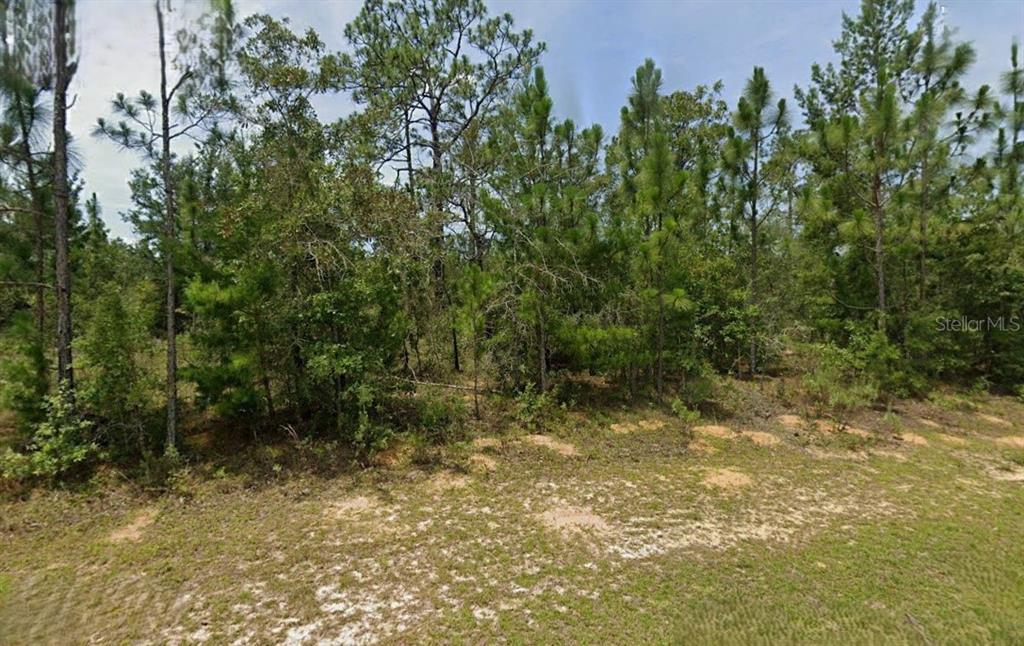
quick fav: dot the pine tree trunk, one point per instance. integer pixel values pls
(476, 371)
(660, 365)
(753, 286)
(65, 372)
(438, 204)
(542, 348)
(169, 240)
(922, 269)
(879, 215)
(754, 244)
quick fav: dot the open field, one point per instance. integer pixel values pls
(615, 526)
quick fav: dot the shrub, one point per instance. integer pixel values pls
(698, 387)
(884, 365)
(60, 443)
(532, 408)
(837, 381)
(684, 413)
(23, 372)
(440, 415)
(113, 384)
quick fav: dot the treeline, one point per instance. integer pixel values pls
(451, 228)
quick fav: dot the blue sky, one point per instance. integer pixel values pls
(593, 48)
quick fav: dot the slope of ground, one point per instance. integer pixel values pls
(902, 528)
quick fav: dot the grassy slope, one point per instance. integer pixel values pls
(834, 538)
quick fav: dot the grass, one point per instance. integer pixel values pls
(834, 538)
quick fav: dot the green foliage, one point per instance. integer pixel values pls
(869, 369)
(59, 444)
(698, 388)
(439, 416)
(113, 386)
(452, 223)
(23, 383)
(884, 365)
(684, 412)
(532, 408)
(836, 379)
(159, 469)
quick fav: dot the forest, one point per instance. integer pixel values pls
(451, 230)
(748, 368)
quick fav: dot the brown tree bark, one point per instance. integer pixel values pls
(65, 372)
(169, 239)
(443, 295)
(879, 216)
(754, 244)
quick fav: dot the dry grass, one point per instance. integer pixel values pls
(819, 537)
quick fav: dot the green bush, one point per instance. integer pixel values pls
(836, 380)
(533, 408)
(23, 372)
(62, 442)
(440, 415)
(113, 386)
(684, 413)
(884, 365)
(698, 387)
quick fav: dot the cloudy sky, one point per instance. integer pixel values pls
(593, 48)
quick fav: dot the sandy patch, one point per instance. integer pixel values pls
(571, 520)
(913, 438)
(761, 438)
(651, 424)
(351, 507)
(132, 532)
(713, 430)
(479, 462)
(629, 427)
(952, 439)
(1010, 474)
(700, 446)
(561, 448)
(486, 443)
(446, 481)
(929, 423)
(992, 419)
(888, 453)
(727, 479)
(1016, 441)
(825, 426)
(776, 520)
(791, 422)
(396, 455)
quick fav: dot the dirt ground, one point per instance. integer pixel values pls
(628, 526)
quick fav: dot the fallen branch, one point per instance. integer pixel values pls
(452, 386)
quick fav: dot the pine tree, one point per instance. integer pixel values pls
(197, 97)
(63, 71)
(758, 127)
(437, 67)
